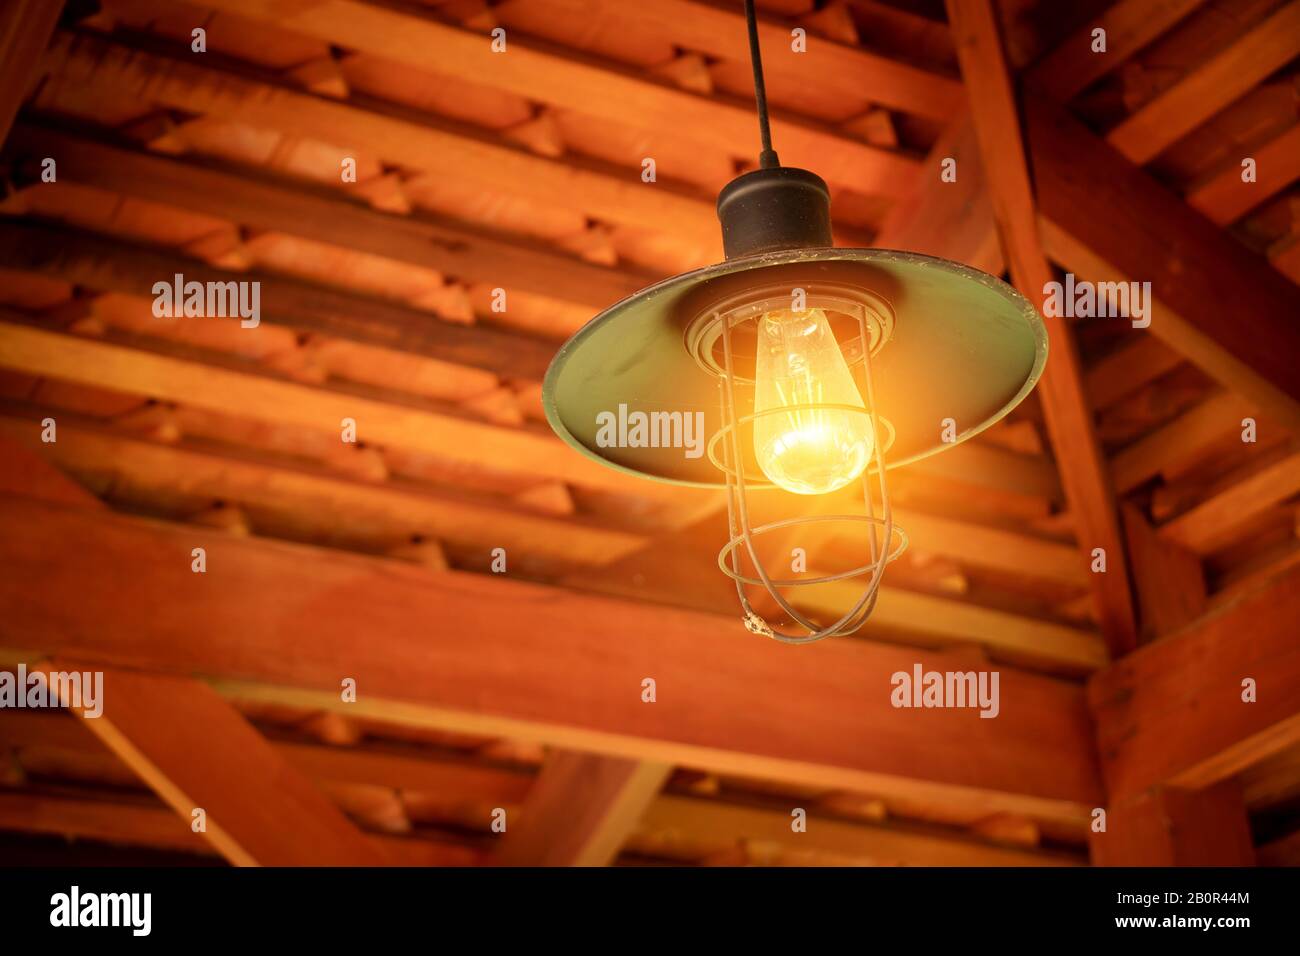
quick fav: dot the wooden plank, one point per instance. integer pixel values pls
(302, 614)
(692, 579)
(243, 389)
(134, 824)
(1212, 523)
(1127, 369)
(412, 141)
(1212, 86)
(1151, 235)
(25, 30)
(581, 809)
(832, 69)
(1025, 641)
(949, 219)
(141, 472)
(713, 823)
(111, 264)
(196, 751)
(1129, 24)
(1172, 827)
(1224, 198)
(670, 817)
(570, 80)
(28, 473)
(262, 201)
(981, 464)
(1172, 712)
(987, 547)
(1069, 420)
(1169, 579)
(1187, 435)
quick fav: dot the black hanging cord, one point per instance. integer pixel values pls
(767, 159)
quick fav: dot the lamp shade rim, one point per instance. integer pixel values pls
(600, 365)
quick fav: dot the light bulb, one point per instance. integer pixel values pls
(798, 362)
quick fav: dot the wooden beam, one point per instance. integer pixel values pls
(672, 818)
(1212, 86)
(1173, 712)
(1069, 420)
(28, 473)
(1169, 579)
(111, 264)
(133, 824)
(292, 634)
(1172, 444)
(414, 141)
(981, 464)
(1150, 235)
(581, 810)
(949, 219)
(832, 69)
(1046, 645)
(572, 81)
(1127, 369)
(245, 389)
(197, 752)
(691, 578)
(284, 492)
(25, 30)
(1129, 24)
(1224, 198)
(259, 200)
(981, 546)
(1172, 827)
(1212, 523)
(712, 823)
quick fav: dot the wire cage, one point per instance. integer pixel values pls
(864, 323)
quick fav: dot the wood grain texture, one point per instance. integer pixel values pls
(502, 657)
(1172, 712)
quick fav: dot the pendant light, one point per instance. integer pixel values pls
(812, 368)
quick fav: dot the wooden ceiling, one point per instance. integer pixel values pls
(522, 691)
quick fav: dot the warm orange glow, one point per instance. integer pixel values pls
(807, 451)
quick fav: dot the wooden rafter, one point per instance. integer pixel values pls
(1210, 87)
(831, 68)
(1175, 713)
(116, 822)
(1069, 420)
(205, 381)
(671, 817)
(139, 471)
(581, 810)
(108, 264)
(1129, 25)
(531, 70)
(25, 29)
(1151, 235)
(193, 748)
(820, 721)
(952, 220)
(1172, 827)
(198, 753)
(416, 142)
(259, 201)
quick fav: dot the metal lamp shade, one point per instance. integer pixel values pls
(964, 346)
